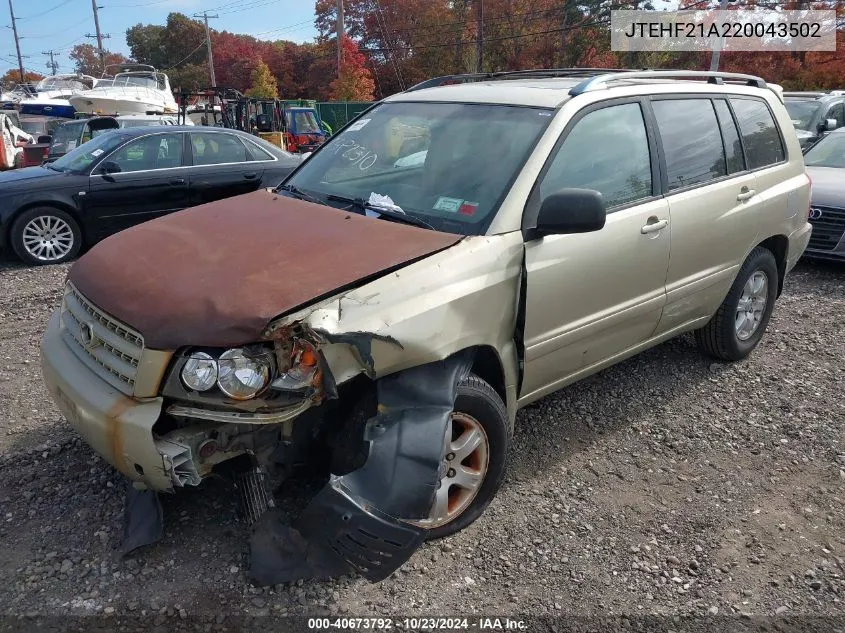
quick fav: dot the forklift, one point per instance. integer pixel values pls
(293, 125)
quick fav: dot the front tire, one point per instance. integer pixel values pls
(474, 459)
(739, 323)
(46, 235)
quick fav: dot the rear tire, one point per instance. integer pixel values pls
(478, 408)
(739, 323)
(46, 235)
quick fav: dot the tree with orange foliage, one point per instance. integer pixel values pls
(13, 76)
(355, 82)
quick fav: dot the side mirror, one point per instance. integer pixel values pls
(570, 211)
(109, 167)
(45, 138)
(830, 124)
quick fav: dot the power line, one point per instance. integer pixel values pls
(38, 15)
(187, 57)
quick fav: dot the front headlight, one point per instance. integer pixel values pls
(240, 375)
(200, 372)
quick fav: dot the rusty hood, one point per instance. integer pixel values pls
(217, 274)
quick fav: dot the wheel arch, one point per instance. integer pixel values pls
(778, 245)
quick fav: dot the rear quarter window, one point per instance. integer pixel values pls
(763, 145)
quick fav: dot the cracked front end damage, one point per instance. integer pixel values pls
(415, 334)
(361, 521)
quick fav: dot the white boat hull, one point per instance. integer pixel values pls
(105, 104)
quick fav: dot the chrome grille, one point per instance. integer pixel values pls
(108, 347)
(827, 229)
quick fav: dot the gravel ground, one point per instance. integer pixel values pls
(668, 485)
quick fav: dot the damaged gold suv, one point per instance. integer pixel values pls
(456, 252)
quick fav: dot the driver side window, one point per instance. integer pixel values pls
(606, 150)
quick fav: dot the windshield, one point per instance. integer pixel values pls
(66, 137)
(829, 152)
(140, 122)
(802, 113)
(33, 127)
(305, 122)
(449, 164)
(84, 156)
(154, 81)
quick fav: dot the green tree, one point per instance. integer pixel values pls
(263, 83)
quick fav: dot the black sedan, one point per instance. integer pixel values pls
(125, 177)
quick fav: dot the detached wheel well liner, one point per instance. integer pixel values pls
(488, 366)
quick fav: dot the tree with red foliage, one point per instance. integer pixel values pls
(86, 59)
(354, 81)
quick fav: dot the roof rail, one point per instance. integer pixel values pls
(808, 95)
(542, 73)
(712, 77)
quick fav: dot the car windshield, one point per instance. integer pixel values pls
(802, 113)
(66, 137)
(829, 152)
(33, 127)
(82, 157)
(140, 122)
(447, 164)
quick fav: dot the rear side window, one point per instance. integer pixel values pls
(760, 135)
(691, 141)
(216, 149)
(606, 151)
(730, 137)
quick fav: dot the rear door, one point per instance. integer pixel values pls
(222, 167)
(151, 182)
(714, 199)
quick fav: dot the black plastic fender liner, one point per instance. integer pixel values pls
(358, 521)
(143, 519)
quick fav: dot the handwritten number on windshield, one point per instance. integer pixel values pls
(357, 154)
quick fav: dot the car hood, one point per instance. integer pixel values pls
(828, 186)
(217, 274)
(27, 174)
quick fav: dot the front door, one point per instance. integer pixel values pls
(151, 182)
(593, 296)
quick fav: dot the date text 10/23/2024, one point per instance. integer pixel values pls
(416, 624)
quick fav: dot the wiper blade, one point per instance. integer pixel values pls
(299, 193)
(399, 216)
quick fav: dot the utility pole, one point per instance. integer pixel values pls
(99, 35)
(340, 31)
(717, 50)
(479, 38)
(17, 42)
(205, 16)
(52, 64)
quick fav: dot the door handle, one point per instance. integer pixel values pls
(250, 176)
(654, 225)
(177, 181)
(742, 196)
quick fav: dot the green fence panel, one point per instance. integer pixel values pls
(338, 113)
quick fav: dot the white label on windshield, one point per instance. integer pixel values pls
(450, 205)
(358, 125)
(96, 152)
(71, 144)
